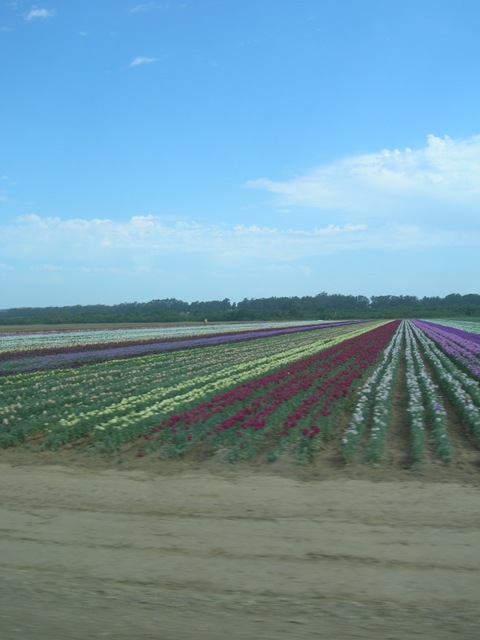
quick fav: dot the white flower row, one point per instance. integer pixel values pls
(431, 398)
(48, 339)
(416, 409)
(382, 402)
(373, 394)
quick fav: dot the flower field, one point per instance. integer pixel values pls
(51, 350)
(355, 392)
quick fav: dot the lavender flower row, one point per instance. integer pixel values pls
(25, 363)
(455, 343)
(461, 389)
(42, 342)
(461, 333)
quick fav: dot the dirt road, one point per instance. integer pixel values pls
(107, 553)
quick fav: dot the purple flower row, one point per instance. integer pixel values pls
(23, 362)
(462, 346)
(459, 333)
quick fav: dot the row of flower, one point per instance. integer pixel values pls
(426, 408)
(291, 391)
(462, 346)
(294, 407)
(113, 402)
(70, 338)
(459, 386)
(39, 341)
(433, 371)
(374, 406)
(470, 326)
(51, 357)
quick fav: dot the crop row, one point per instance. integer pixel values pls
(18, 341)
(373, 408)
(462, 346)
(432, 373)
(299, 408)
(114, 401)
(39, 359)
(469, 326)
(459, 387)
(293, 392)
(293, 407)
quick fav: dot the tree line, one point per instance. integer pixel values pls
(323, 306)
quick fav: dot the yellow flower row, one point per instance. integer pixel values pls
(204, 386)
(150, 387)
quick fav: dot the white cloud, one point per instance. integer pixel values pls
(142, 60)
(39, 14)
(48, 267)
(48, 259)
(443, 177)
(149, 242)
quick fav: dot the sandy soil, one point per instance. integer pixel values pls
(92, 552)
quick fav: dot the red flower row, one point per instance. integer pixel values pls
(280, 402)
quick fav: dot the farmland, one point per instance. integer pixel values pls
(402, 393)
(316, 480)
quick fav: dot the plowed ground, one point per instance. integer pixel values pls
(126, 549)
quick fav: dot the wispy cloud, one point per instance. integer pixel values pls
(442, 177)
(139, 60)
(3, 197)
(142, 7)
(47, 259)
(39, 14)
(148, 241)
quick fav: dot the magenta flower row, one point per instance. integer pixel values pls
(293, 402)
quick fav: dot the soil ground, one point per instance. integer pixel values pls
(138, 548)
(124, 547)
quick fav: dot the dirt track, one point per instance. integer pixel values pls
(98, 553)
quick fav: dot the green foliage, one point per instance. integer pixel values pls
(323, 306)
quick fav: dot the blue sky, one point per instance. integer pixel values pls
(211, 149)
